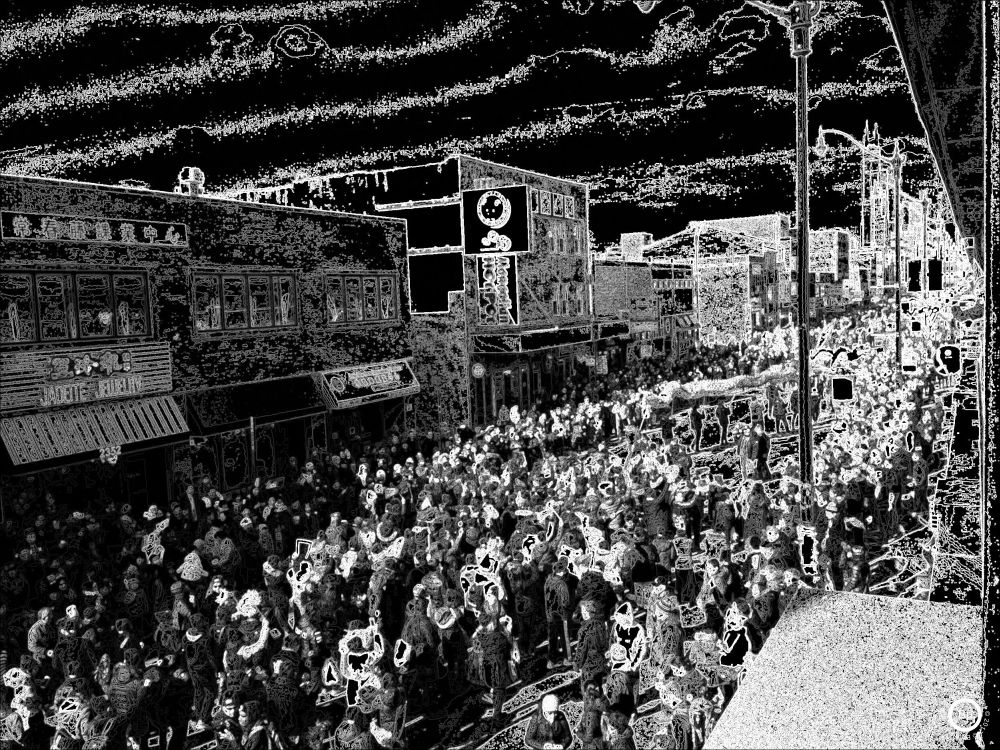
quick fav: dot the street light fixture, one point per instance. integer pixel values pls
(798, 19)
(895, 161)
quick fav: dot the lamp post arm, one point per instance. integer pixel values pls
(867, 149)
(778, 12)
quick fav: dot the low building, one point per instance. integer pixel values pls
(623, 293)
(499, 262)
(736, 276)
(674, 285)
(192, 336)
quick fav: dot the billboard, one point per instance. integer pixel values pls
(495, 220)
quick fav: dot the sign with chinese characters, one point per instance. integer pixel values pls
(52, 227)
(495, 220)
(349, 387)
(45, 379)
(491, 344)
(497, 283)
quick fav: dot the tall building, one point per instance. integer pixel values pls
(151, 339)
(499, 262)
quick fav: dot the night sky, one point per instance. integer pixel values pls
(683, 113)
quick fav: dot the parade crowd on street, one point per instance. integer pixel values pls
(360, 589)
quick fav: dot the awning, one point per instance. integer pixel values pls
(684, 322)
(612, 330)
(48, 436)
(350, 387)
(230, 408)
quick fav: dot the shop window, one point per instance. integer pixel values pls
(286, 304)
(244, 301)
(93, 293)
(235, 460)
(387, 298)
(366, 299)
(40, 306)
(354, 309)
(17, 318)
(130, 304)
(207, 313)
(234, 306)
(371, 298)
(335, 299)
(260, 302)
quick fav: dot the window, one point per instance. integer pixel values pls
(207, 314)
(55, 307)
(362, 298)
(130, 307)
(40, 306)
(93, 294)
(244, 301)
(17, 318)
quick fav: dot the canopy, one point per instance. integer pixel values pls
(667, 392)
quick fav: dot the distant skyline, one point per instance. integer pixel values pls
(681, 114)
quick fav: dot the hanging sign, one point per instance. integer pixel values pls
(495, 220)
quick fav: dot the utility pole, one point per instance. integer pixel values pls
(798, 19)
(897, 170)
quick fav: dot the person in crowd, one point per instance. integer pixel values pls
(548, 728)
(723, 411)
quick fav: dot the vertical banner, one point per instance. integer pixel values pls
(497, 282)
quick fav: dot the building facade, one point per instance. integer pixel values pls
(191, 336)
(623, 293)
(674, 285)
(499, 273)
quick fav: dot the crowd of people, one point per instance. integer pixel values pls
(328, 604)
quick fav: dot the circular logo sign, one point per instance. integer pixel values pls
(493, 209)
(478, 370)
(337, 384)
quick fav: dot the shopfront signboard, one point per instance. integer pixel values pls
(66, 377)
(351, 387)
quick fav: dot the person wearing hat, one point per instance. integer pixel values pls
(589, 656)
(559, 606)
(454, 642)
(226, 724)
(201, 668)
(548, 728)
(495, 656)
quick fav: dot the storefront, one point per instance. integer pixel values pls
(106, 411)
(520, 369)
(683, 334)
(237, 428)
(611, 345)
(367, 402)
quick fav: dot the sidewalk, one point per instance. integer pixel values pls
(956, 505)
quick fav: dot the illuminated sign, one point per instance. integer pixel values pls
(354, 386)
(495, 220)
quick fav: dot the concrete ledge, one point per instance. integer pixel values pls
(847, 670)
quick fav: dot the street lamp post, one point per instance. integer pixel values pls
(896, 161)
(798, 19)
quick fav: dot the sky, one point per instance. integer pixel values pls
(682, 113)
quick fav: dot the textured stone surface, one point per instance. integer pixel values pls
(857, 671)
